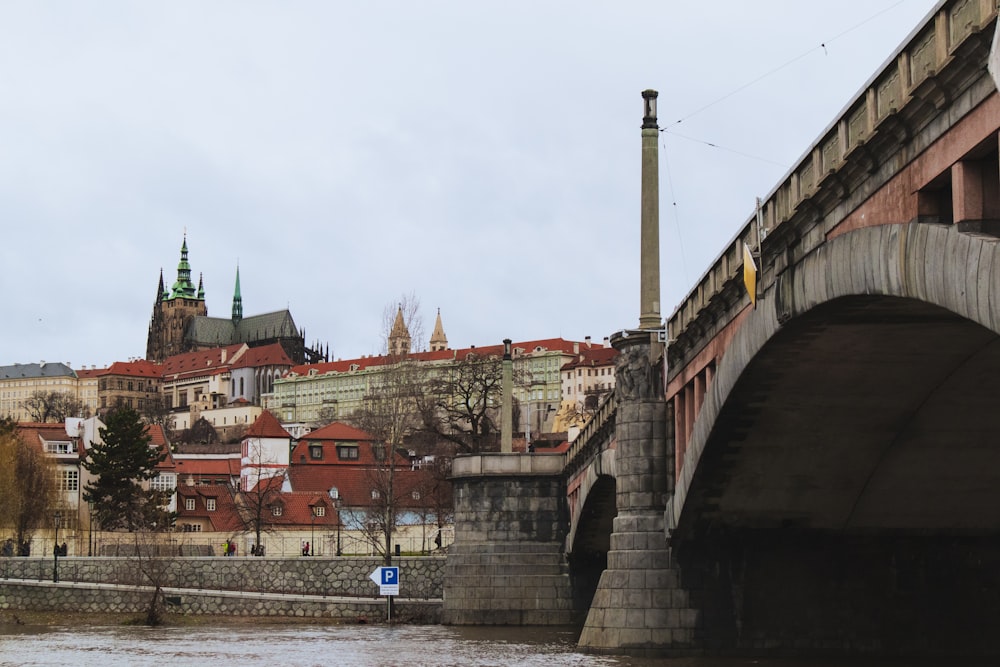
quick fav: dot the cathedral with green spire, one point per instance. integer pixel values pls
(180, 322)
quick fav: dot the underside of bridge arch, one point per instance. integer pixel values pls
(588, 557)
(848, 491)
(867, 415)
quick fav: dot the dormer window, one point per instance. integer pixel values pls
(316, 452)
(277, 510)
(347, 452)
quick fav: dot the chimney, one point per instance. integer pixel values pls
(607, 341)
(223, 355)
(586, 339)
(649, 254)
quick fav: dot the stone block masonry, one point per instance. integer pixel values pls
(106, 598)
(336, 589)
(507, 564)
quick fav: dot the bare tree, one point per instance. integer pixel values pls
(256, 496)
(157, 411)
(27, 486)
(54, 406)
(463, 405)
(390, 413)
(201, 432)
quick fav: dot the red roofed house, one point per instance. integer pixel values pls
(68, 444)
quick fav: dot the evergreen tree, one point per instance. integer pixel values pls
(121, 465)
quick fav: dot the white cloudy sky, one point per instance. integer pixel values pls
(481, 155)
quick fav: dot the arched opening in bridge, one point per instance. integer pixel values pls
(588, 557)
(853, 473)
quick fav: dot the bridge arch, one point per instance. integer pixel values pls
(887, 336)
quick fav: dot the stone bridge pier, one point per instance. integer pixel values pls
(639, 607)
(507, 565)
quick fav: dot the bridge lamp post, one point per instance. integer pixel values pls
(312, 531)
(337, 503)
(90, 528)
(56, 519)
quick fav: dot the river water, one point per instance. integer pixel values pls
(333, 646)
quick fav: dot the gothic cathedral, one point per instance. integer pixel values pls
(180, 323)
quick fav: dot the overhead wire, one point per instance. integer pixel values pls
(666, 130)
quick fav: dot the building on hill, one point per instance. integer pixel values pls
(180, 323)
(19, 381)
(586, 381)
(87, 389)
(135, 384)
(328, 391)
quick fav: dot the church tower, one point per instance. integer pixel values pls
(237, 300)
(399, 337)
(173, 311)
(438, 340)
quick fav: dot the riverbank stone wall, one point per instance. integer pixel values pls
(419, 577)
(114, 599)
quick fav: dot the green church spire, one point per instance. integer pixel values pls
(237, 299)
(184, 288)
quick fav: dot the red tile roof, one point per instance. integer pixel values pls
(338, 431)
(265, 355)
(266, 426)
(345, 366)
(202, 362)
(594, 356)
(134, 368)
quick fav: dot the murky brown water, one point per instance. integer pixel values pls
(357, 646)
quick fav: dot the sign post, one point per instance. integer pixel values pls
(387, 579)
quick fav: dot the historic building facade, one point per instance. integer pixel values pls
(324, 392)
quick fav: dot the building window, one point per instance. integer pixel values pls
(210, 504)
(164, 482)
(375, 494)
(276, 510)
(69, 480)
(59, 447)
(416, 495)
(347, 452)
(316, 451)
(319, 510)
(189, 504)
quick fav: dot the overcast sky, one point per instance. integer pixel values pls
(483, 156)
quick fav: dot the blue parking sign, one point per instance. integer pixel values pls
(390, 576)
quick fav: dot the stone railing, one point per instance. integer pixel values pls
(891, 115)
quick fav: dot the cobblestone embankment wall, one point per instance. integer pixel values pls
(105, 598)
(420, 578)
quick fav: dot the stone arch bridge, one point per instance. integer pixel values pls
(815, 467)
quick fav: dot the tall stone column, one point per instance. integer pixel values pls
(639, 607)
(649, 213)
